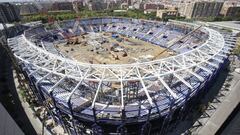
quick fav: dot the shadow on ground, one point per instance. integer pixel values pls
(9, 97)
(195, 113)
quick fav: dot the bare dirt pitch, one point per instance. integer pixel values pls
(110, 48)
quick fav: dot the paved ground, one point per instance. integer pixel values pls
(7, 124)
(224, 109)
(219, 102)
(222, 106)
(9, 97)
(36, 123)
(194, 115)
(231, 126)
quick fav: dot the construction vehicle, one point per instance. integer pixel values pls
(114, 55)
(73, 40)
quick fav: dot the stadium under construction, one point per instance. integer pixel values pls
(120, 75)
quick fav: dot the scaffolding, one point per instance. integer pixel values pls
(98, 99)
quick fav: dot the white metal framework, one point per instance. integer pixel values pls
(157, 70)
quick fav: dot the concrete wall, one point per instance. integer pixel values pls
(7, 124)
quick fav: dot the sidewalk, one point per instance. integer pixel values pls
(36, 123)
(224, 105)
(224, 110)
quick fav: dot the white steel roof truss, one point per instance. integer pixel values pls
(183, 81)
(44, 77)
(122, 99)
(174, 95)
(78, 84)
(212, 64)
(98, 89)
(144, 88)
(217, 59)
(200, 78)
(35, 71)
(222, 55)
(57, 83)
(205, 69)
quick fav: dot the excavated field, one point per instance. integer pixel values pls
(103, 48)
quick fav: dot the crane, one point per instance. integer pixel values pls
(52, 21)
(187, 35)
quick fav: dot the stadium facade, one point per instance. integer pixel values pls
(135, 98)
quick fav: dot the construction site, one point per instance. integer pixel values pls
(115, 75)
(110, 48)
